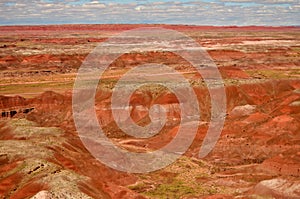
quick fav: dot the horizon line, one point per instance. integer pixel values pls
(154, 24)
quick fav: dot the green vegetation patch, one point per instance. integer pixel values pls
(184, 178)
(32, 89)
(268, 74)
(176, 189)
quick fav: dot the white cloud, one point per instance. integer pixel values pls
(269, 12)
(139, 8)
(263, 1)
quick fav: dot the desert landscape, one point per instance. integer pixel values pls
(258, 152)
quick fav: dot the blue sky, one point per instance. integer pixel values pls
(194, 12)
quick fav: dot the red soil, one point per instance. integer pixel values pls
(268, 123)
(261, 128)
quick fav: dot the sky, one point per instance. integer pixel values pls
(191, 12)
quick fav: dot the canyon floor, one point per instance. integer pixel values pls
(256, 156)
